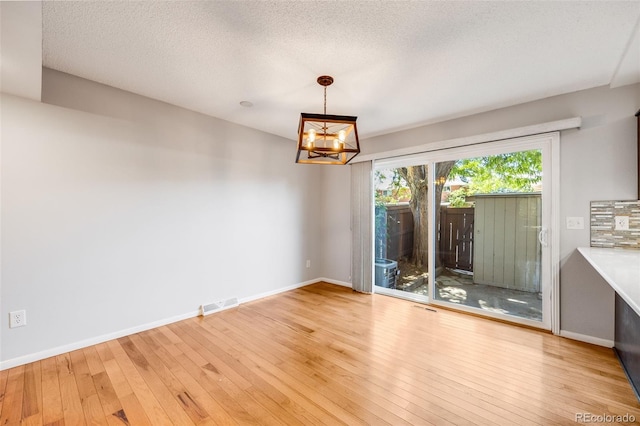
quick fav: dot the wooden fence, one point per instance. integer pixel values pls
(506, 248)
(456, 237)
(497, 240)
(396, 241)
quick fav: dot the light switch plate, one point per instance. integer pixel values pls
(575, 222)
(622, 223)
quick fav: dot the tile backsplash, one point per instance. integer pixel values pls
(604, 215)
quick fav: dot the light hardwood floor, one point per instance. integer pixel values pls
(322, 354)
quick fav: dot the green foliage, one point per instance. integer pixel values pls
(512, 172)
(502, 173)
(398, 191)
(458, 197)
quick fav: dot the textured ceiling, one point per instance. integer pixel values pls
(396, 64)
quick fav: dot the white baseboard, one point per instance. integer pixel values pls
(37, 356)
(336, 282)
(293, 287)
(587, 339)
(277, 291)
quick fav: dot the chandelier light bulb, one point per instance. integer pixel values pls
(342, 135)
(311, 137)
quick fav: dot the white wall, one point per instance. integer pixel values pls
(21, 48)
(112, 223)
(598, 162)
(336, 223)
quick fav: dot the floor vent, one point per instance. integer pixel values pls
(425, 308)
(218, 306)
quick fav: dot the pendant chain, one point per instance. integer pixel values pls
(325, 100)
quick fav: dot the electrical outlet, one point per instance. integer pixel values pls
(622, 223)
(308, 263)
(17, 319)
(575, 222)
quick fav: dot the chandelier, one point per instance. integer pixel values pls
(327, 139)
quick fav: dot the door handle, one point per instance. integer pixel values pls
(542, 237)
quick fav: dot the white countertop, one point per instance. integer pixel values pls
(620, 268)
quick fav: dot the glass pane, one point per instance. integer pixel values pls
(489, 215)
(401, 230)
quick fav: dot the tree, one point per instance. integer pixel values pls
(417, 180)
(512, 172)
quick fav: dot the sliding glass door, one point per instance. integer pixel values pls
(468, 228)
(401, 255)
(488, 252)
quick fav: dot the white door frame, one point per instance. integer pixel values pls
(549, 144)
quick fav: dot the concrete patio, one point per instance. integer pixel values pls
(458, 288)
